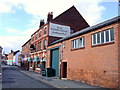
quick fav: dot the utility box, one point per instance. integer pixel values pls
(50, 72)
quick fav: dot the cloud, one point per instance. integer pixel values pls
(9, 30)
(90, 9)
(12, 42)
(17, 39)
(5, 7)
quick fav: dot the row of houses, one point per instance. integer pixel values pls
(0, 57)
(75, 50)
(11, 58)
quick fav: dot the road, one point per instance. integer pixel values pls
(13, 78)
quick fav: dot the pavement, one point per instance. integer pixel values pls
(59, 83)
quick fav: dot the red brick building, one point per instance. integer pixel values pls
(90, 55)
(66, 23)
(25, 55)
(10, 58)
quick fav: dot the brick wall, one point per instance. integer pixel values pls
(26, 48)
(92, 65)
(10, 56)
(119, 54)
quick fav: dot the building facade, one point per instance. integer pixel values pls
(10, 58)
(0, 52)
(61, 26)
(25, 55)
(4, 58)
(0, 57)
(90, 56)
(13, 57)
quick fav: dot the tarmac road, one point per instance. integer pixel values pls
(13, 78)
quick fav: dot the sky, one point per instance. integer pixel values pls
(20, 18)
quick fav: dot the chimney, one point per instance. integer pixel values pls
(50, 16)
(11, 51)
(41, 23)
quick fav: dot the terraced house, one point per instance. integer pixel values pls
(91, 55)
(61, 26)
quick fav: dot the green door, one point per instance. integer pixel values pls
(55, 61)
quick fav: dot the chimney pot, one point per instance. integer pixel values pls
(41, 23)
(50, 16)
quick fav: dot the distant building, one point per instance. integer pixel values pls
(0, 55)
(10, 58)
(13, 57)
(4, 58)
(25, 55)
(20, 60)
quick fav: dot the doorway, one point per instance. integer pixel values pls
(64, 69)
(55, 61)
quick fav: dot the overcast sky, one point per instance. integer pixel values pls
(20, 18)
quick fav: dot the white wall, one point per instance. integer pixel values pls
(15, 58)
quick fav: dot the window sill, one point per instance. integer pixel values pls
(103, 44)
(78, 48)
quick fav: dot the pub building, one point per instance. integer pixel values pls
(65, 24)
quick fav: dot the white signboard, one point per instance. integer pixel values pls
(57, 30)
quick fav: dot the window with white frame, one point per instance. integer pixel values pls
(78, 43)
(103, 37)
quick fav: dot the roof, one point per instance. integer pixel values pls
(16, 52)
(1, 47)
(89, 29)
(72, 18)
(26, 43)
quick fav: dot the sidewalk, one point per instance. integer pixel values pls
(58, 83)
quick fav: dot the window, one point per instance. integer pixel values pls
(103, 37)
(78, 43)
(40, 34)
(111, 35)
(44, 44)
(36, 36)
(39, 45)
(32, 38)
(45, 30)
